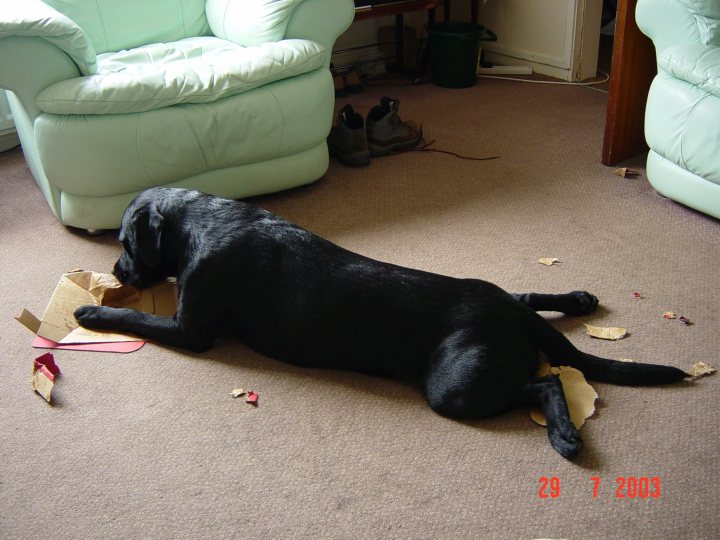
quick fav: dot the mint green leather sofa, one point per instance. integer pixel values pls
(682, 118)
(110, 97)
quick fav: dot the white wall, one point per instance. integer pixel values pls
(556, 37)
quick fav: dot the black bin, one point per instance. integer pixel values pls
(454, 49)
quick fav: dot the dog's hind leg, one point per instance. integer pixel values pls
(547, 393)
(572, 303)
(473, 377)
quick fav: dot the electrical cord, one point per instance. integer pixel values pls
(426, 148)
(605, 79)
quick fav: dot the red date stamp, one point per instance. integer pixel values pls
(626, 487)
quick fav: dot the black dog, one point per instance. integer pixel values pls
(296, 297)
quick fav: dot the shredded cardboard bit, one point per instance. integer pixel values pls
(579, 395)
(624, 172)
(611, 333)
(670, 315)
(250, 396)
(701, 369)
(548, 261)
(44, 371)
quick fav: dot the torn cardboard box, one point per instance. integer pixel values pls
(81, 288)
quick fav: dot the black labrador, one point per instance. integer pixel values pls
(296, 297)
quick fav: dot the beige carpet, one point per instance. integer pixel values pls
(151, 445)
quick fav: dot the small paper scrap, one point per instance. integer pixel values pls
(701, 369)
(579, 395)
(670, 315)
(250, 396)
(44, 372)
(611, 333)
(548, 261)
(624, 172)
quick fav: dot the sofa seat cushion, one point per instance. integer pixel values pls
(192, 70)
(696, 65)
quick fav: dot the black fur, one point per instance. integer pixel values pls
(296, 297)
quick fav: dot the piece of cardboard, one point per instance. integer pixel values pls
(82, 288)
(44, 372)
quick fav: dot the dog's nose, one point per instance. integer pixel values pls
(119, 273)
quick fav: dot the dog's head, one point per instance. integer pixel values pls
(141, 233)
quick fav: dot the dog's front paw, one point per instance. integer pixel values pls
(585, 303)
(93, 317)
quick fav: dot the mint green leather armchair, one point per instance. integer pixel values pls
(232, 97)
(682, 118)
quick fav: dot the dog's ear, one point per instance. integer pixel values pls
(148, 233)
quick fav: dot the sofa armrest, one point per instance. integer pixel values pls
(35, 19)
(667, 23)
(322, 21)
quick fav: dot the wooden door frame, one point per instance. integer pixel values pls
(633, 69)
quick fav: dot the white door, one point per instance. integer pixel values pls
(558, 38)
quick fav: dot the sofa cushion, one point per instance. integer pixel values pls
(193, 70)
(123, 153)
(250, 22)
(699, 66)
(114, 25)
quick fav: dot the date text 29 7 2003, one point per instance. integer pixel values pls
(626, 487)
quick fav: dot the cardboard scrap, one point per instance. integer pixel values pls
(250, 396)
(624, 172)
(548, 261)
(701, 369)
(670, 315)
(612, 333)
(44, 371)
(81, 288)
(579, 395)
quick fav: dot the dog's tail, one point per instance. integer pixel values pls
(561, 352)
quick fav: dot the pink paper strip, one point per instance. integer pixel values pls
(117, 347)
